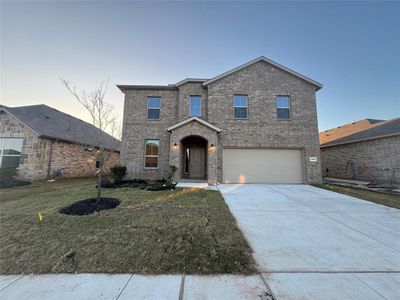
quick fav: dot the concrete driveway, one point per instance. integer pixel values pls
(310, 243)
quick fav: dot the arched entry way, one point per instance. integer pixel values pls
(194, 157)
(195, 134)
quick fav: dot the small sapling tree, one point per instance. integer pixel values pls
(103, 117)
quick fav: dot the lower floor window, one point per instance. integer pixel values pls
(10, 152)
(151, 157)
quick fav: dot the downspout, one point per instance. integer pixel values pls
(49, 163)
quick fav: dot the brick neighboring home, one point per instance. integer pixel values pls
(256, 123)
(39, 140)
(366, 150)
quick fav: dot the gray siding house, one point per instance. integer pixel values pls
(256, 123)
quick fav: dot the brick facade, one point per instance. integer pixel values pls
(137, 128)
(261, 81)
(35, 164)
(373, 160)
(11, 128)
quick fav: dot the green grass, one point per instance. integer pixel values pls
(376, 197)
(180, 231)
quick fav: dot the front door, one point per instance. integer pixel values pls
(197, 162)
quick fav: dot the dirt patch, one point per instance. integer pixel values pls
(89, 206)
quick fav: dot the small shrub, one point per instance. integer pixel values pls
(56, 173)
(117, 173)
(7, 175)
(140, 181)
(172, 170)
(106, 183)
(160, 186)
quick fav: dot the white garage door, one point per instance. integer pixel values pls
(262, 166)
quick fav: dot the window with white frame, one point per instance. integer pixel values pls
(10, 152)
(153, 108)
(195, 106)
(282, 107)
(151, 156)
(240, 106)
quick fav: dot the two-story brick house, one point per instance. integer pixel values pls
(256, 123)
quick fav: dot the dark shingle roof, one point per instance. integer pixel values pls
(51, 123)
(333, 134)
(381, 129)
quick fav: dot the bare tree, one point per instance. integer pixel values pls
(103, 117)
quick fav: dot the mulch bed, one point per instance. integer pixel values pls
(158, 185)
(89, 206)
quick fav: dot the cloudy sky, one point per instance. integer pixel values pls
(353, 48)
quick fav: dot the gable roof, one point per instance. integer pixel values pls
(271, 62)
(53, 124)
(347, 129)
(380, 130)
(201, 121)
(208, 81)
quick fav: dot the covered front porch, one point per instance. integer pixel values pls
(194, 150)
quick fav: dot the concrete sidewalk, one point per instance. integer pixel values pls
(128, 286)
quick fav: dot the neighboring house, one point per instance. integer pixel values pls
(39, 140)
(368, 152)
(255, 123)
(347, 129)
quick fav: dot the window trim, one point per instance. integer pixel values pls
(190, 106)
(13, 155)
(247, 107)
(158, 155)
(289, 107)
(159, 108)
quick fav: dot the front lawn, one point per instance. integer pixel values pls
(376, 197)
(180, 231)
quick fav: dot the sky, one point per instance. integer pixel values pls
(352, 48)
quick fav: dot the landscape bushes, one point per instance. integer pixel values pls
(149, 185)
(8, 178)
(118, 172)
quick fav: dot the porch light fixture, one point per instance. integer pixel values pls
(175, 145)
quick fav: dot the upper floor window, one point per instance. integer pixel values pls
(153, 108)
(283, 107)
(195, 106)
(151, 154)
(10, 152)
(240, 105)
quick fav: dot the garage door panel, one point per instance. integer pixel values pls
(262, 166)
